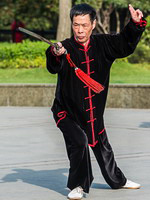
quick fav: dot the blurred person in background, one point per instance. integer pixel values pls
(17, 36)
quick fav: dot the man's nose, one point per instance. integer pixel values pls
(80, 29)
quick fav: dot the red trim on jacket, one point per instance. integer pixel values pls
(92, 72)
(81, 43)
(91, 120)
(61, 115)
(101, 131)
(141, 23)
(93, 145)
(91, 109)
(90, 96)
(87, 61)
(85, 49)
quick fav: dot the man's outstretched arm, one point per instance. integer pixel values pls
(123, 44)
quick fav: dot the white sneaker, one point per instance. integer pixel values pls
(76, 193)
(131, 185)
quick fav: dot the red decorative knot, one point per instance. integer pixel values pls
(89, 97)
(141, 23)
(87, 61)
(61, 115)
(101, 131)
(91, 120)
(90, 109)
(86, 50)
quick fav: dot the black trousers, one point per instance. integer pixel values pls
(80, 172)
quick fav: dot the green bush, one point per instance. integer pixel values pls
(146, 35)
(141, 54)
(32, 54)
(23, 55)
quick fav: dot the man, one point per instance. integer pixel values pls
(77, 109)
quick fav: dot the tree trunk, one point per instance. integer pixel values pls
(127, 18)
(118, 21)
(64, 24)
(103, 19)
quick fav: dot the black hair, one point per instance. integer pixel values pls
(83, 9)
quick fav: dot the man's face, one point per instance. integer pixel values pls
(82, 28)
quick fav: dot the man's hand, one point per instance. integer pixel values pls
(61, 51)
(136, 15)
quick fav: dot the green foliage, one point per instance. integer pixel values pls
(120, 60)
(141, 4)
(35, 14)
(96, 4)
(141, 54)
(142, 51)
(146, 35)
(23, 55)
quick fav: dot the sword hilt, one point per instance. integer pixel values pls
(58, 47)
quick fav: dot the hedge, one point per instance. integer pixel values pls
(140, 55)
(32, 55)
(23, 55)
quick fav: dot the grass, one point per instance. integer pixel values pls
(121, 72)
(33, 75)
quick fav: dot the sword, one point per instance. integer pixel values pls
(86, 79)
(39, 37)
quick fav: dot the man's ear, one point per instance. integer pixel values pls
(94, 24)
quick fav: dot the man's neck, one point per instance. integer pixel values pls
(84, 44)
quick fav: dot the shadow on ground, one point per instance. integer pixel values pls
(55, 180)
(145, 125)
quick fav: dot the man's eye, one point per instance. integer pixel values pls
(85, 25)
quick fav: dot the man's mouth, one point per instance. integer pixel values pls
(80, 37)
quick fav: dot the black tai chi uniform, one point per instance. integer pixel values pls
(78, 111)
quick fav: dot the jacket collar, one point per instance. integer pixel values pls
(80, 45)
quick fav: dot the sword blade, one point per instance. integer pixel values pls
(37, 36)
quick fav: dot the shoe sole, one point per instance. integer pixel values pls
(131, 187)
(74, 198)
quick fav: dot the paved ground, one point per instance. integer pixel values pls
(33, 162)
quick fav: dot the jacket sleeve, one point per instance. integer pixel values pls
(53, 62)
(123, 44)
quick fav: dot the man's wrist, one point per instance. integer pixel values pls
(141, 23)
(52, 51)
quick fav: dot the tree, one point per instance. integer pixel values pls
(120, 9)
(115, 9)
(41, 15)
(64, 25)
